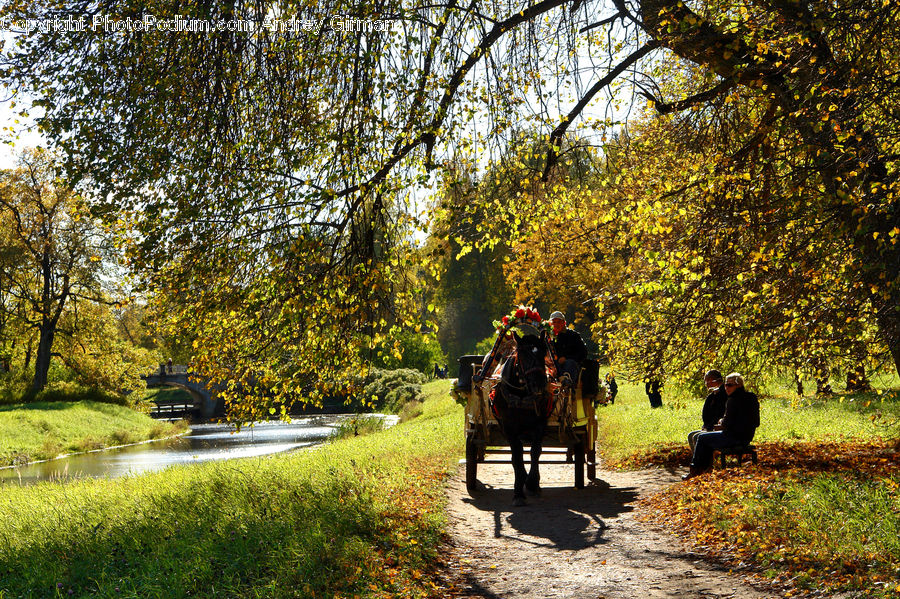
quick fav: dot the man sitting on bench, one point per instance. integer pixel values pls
(736, 429)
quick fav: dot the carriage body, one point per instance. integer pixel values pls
(572, 423)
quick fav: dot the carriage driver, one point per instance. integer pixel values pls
(569, 347)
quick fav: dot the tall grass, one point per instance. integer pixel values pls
(44, 430)
(358, 516)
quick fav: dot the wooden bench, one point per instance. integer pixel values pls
(739, 452)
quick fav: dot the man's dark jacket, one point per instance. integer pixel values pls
(714, 408)
(741, 415)
(570, 346)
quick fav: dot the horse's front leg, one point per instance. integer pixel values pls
(518, 462)
(517, 451)
(533, 483)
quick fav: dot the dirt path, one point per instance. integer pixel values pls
(570, 543)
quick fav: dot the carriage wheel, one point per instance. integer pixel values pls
(579, 465)
(592, 464)
(471, 466)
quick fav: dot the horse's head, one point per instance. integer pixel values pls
(530, 353)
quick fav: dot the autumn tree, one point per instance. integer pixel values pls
(269, 147)
(712, 278)
(60, 254)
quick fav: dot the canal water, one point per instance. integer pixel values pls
(205, 442)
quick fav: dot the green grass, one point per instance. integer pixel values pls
(167, 395)
(842, 524)
(44, 430)
(361, 516)
(631, 426)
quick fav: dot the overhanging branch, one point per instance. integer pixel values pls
(699, 98)
(558, 133)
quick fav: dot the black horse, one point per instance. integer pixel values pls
(522, 405)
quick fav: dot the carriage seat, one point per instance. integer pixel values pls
(466, 369)
(590, 377)
(739, 451)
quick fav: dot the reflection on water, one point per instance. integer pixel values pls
(205, 442)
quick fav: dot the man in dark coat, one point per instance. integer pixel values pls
(612, 386)
(569, 348)
(736, 429)
(651, 388)
(713, 407)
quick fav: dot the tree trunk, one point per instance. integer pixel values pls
(44, 353)
(856, 379)
(889, 327)
(28, 349)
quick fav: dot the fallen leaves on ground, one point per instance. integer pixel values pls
(819, 516)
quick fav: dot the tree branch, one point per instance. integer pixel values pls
(704, 96)
(429, 134)
(557, 134)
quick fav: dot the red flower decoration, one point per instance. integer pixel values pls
(505, 320)
(520, 313)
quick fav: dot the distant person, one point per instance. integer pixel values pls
(612, 386)
(437, 371)
(713, 407)
(651, 388)
(735, 429)
(569, 348)
(169, 366)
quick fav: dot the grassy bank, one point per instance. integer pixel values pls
(821, 510)
(633, 433)
(361, 516)
(43, 430)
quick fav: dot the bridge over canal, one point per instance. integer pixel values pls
(204, 404)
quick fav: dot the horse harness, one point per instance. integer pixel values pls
(524, 399)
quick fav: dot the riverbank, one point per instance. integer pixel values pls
(366, 516)
(361, 516)
(44, 430)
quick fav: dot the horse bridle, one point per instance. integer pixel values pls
(522, 374)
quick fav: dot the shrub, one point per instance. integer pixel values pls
(390, 390)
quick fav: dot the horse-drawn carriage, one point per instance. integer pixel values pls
(571, 425)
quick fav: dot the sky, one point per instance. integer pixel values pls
(16, 133)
